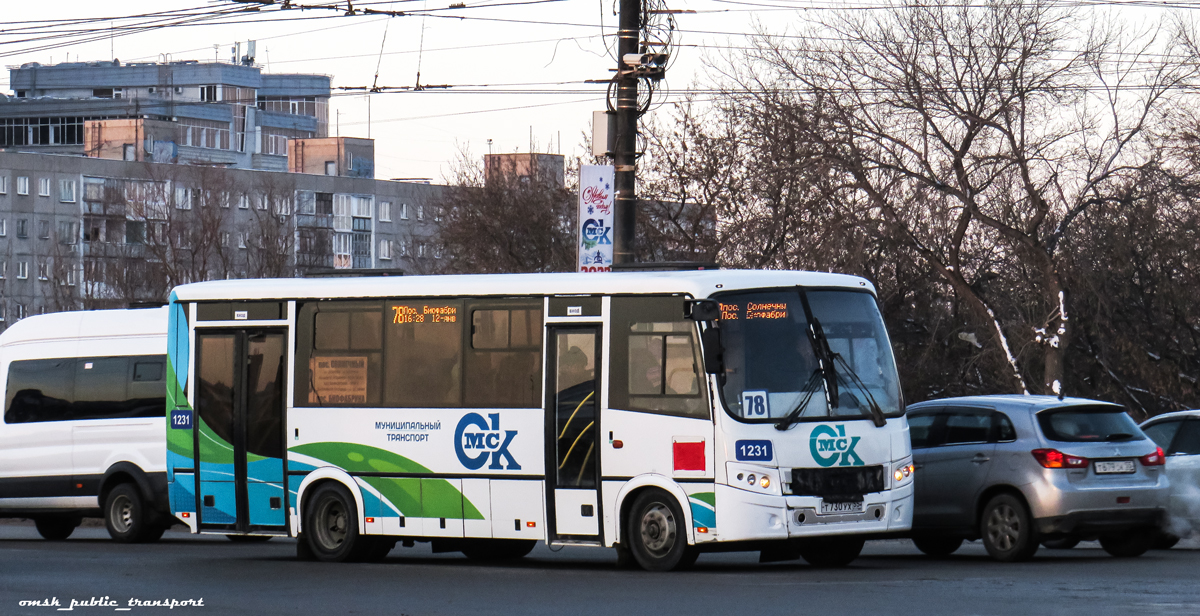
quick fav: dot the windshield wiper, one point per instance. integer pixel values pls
(1118, 436)
(809, 389)
(872, 409)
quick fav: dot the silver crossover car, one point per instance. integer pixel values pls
(1016, 471)
(1179, 435)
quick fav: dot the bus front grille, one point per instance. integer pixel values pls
(837, 484)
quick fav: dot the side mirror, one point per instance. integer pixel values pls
(714, 351)
(702, 310)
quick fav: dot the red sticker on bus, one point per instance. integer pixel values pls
(689, 456)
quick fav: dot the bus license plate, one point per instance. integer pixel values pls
(1114, 467)
(841, 507)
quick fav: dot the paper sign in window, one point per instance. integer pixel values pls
(338, 380)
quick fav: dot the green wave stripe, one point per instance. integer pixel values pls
(415, 497)
(706, 497)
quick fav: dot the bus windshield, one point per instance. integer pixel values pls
(772, 368)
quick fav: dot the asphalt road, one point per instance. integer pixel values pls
(890, 578)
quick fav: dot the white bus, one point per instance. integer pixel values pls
(82, 431)
(662, 414)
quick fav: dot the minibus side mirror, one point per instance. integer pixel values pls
(714, 351)
(702, 310)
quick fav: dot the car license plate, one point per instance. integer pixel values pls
(1112, 467)
(841, 507)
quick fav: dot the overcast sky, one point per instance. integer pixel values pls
(532, 47)
(418, 134)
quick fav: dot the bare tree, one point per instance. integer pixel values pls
(504, 224)
(973, 138)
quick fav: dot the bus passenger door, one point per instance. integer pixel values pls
(572, 423)
(239, 449)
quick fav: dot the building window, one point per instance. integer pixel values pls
(224, 238)
(208, 94)
(22, 270)
(420, 249)
(3, 269)
(183, 198)
(43, 187)
(66, 191)
(128, 152)
(3, 227)
(342, 252)
(43, 270)
(20, 311)
(243, 202)
(22, 185)
(420, 212)
(93, 229)
(71, 277)
(22, 228)
(385, 250)
(437, 214)
(1, 312)
(135, 232)
(403, 211)
(260, 202)
(437, 252)
(68, 232)
(44, 229)
(330, 167)
(3, 184)
(403, 246)
(385, 211)
(241, 240)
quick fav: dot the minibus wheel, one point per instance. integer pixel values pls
(56, 528)
(657, 535)
(1129, 544)
(126, 518)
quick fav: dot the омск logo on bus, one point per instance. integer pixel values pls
(829, 444)
(474, 446)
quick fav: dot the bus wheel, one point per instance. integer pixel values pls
(56, 528)
(831, 551)
(331, 524)
(656, 533)
(934, 545)
(497, 549)
(126, 518)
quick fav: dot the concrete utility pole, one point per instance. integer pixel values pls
(625, 153)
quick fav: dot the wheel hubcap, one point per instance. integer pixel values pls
(658, 529)
(1004, 527)
(331, 524)
(122, 514)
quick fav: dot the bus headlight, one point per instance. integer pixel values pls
(765, 482)
(902, 473)
(753, 478)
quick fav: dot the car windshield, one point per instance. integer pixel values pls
(770, 361)
(1096, 424)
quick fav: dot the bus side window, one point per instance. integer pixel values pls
(339, 353)
(503, 362)
(655, 358)
(423, 344)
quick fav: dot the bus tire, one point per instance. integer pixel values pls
(56, 528)
(831, 551)
(331, 524)
(126, 516)
(656, 531)
(497, 549)
(935, 545)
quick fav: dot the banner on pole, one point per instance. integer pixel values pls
(595, 239)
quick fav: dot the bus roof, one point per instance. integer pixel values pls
(87, 324)
(699, 284)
